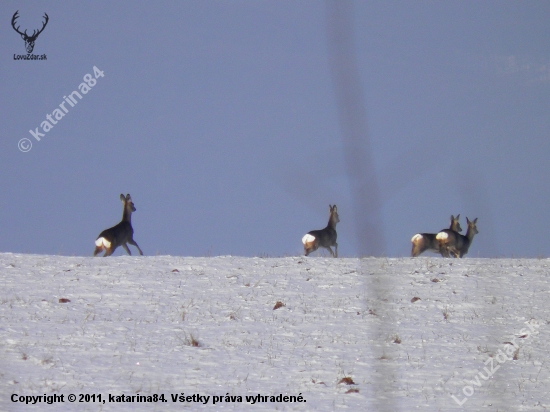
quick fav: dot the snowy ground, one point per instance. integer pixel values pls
(352, 334)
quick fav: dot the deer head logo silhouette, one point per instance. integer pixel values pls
(29, 40)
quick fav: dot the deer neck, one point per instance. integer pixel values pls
(331, 223)
(127, 215)
(470, 234)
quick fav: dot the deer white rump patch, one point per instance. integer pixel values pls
(102, 242)
(308, 239)
(416, 237)
(442, 236)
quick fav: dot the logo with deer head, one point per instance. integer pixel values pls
(29, 40)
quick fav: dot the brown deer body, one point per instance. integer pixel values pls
(451, 242)
(324, 237)
(120, 234)
(427, 241)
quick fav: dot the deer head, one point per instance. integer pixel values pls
(29, 40)
(334, 214)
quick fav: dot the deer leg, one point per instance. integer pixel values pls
(108, 252)
(310, 248)
(330, 250)
(133, 242)
(453, 251)
(336, 249)
(125, 246)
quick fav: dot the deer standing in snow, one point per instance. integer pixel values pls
(455, 243)
(427, 241)
(324, 237)
(120, 234)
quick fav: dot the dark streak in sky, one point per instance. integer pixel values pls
(352, 118)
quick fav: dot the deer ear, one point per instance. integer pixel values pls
(122, 197)
(458, 216)
(475, 220)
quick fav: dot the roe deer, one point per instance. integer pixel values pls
(324, 237)
(427, 241)
(455, 243)
(120, 234)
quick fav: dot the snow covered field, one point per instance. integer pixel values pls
(352, 334)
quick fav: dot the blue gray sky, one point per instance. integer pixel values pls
(234, 125)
